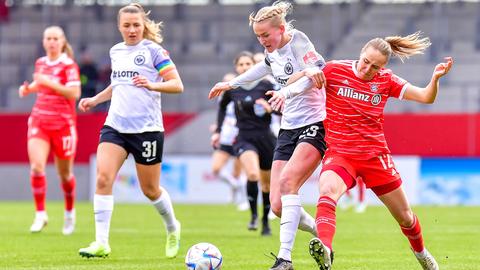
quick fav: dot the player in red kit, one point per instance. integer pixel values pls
(357, 92)
(52, 123)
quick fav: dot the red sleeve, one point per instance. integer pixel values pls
(328, 68)
(72, 75)
(397, 86)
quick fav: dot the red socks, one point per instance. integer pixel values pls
(69, 193)
(361, 190)
(414, 235)
(39, 190)
(326, 220)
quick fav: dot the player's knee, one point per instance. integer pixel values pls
(65, 176)
(276, 206)
(330, 189)
(406, 219)
(103, 181)
(151, 192)
(288, 184)
(37, 169)
(253, 175)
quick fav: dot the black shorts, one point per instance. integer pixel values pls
(288, 139)
(146, 147)
(263, 143)
(227, 149)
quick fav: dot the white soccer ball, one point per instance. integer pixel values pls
(203, 256)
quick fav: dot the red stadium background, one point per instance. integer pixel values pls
(427, 135)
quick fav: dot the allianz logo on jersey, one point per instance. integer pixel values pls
(351, 93)
(124, 73)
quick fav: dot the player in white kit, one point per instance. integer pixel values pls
(222, 144)
(141, 71)
(300, 145)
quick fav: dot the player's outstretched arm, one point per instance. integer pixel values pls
(218, 89)
(428, 94)
(87, 104)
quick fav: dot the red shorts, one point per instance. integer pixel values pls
(62, 141)
(377, 173)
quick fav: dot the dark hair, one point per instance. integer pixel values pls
(242, 54)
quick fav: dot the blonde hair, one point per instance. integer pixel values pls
(276, 13)
(401, 47)
(152, 30)
(67, 48)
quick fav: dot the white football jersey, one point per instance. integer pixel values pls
(229, 128)
(298, 54)
(136, 109)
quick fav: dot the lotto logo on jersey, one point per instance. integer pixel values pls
(124, 74)
(351, 93)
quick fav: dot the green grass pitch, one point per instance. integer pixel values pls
(369, 241)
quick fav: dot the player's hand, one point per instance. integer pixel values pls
(86, 104)
(215, 140)
(23, 90)
(277, 101)
(443, 68)
(142, 81)
(317, 77)
(218, 89)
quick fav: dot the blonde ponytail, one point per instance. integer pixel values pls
(401, 47)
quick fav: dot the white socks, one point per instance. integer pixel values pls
(164, 207)
(307, 223)
(103, 208)
(41, 215)
(291, 211)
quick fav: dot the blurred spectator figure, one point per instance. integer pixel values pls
(88, 75)
(103, 81)
(4, 11)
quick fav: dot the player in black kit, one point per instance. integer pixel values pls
(255, 142)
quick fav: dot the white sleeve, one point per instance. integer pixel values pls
(297, 87)
(255, 73)
(305, 53)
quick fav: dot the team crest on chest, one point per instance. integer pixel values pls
(374, 88)
(139, 60)
(288, 68)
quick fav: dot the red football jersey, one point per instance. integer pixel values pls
(355, 109)
(52, 110)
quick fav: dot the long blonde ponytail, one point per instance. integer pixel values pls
(401, 47)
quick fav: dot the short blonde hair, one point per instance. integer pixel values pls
(276, 13)
(152, 29)
(401, 47)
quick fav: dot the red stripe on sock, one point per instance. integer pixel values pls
(414, 235)
(69, 193)
(39, 190)
(326, 220)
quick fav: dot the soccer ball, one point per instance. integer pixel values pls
(203, 256)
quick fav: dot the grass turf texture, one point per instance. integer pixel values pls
(363, 241)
